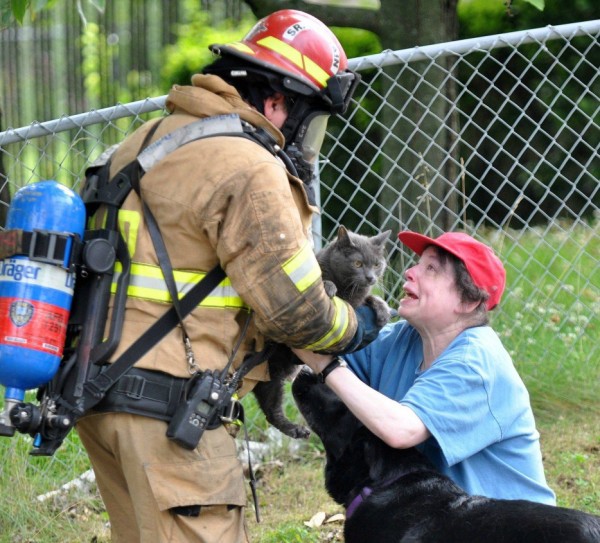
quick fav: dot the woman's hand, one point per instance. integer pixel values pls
(315, 361)
(398, 425)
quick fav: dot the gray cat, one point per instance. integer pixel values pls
(351, 265)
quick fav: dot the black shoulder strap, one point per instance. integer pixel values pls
(129, 177)
(99, 385)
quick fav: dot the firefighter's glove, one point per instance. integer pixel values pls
(366, 331)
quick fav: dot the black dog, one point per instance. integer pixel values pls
(396, 495)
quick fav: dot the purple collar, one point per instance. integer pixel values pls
(366, 492)
(358, 499)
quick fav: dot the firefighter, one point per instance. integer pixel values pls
(221, 200)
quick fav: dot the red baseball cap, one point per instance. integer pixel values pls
(484, 267)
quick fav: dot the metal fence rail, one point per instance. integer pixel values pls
(497, 136)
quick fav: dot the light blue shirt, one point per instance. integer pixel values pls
(473, 402)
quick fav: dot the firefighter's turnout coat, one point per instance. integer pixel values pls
(225, 200)
(220, 200)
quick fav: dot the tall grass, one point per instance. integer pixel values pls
(26, 519)
(550, 315)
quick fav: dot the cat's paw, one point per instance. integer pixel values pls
(295, 431)
(383, 312)
(330, 288)
(300, 432)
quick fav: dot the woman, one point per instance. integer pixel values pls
(440, 378)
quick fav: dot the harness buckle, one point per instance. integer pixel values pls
(231, 412)
(133, 386)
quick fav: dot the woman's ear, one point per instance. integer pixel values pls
(468, 307)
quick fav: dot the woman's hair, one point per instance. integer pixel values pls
(468, 290)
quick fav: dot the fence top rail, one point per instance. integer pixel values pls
(459, 47)
(39, 129)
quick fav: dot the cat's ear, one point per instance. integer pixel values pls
(343, 235)
(380, 239)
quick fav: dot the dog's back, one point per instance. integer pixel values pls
(396, 495)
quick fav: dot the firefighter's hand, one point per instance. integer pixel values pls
(366, 331)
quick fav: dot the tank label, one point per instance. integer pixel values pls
(32, 324)
(25, 271)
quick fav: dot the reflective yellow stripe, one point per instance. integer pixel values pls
(241, 47)
(337, 331)
(315, 71)
(284, 49)
(147, 282)
(293, 55)
(303, 268)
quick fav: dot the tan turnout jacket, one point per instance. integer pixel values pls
(225, 200)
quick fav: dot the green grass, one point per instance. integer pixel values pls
(24, 519)
(550, 314)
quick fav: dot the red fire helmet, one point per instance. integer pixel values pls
(294, 44)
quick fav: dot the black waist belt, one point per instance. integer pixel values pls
(156, 395)
(143, 392)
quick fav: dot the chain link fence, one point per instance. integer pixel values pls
(495, 136)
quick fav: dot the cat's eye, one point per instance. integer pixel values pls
(358, 264)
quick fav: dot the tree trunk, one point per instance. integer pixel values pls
(420, 171)
(416, 162)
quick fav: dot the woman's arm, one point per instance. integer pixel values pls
(396, 424)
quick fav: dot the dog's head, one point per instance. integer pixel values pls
(339, 430)
(355, 456)
(326, 415)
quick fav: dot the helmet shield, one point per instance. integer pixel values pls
(311, 135)
(304, 147)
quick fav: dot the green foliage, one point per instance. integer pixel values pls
(290, 533)
(357, 42)
(23, 478)
(92, 63)
(484, 17)
(548, 309)
(539, 4)
(16, 10)
(190, 52)
(481, 17)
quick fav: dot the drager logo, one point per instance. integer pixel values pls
(18, 271)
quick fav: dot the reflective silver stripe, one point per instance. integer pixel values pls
(209, 126)
(303, 268)
(147, 283)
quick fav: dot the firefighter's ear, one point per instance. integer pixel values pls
(275, 110)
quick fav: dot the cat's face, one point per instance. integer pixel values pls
(362, 263)
(356, 260)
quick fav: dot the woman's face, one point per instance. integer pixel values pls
(431, 299)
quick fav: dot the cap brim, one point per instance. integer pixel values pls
(417, 242)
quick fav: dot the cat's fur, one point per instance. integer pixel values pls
(351, 265)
